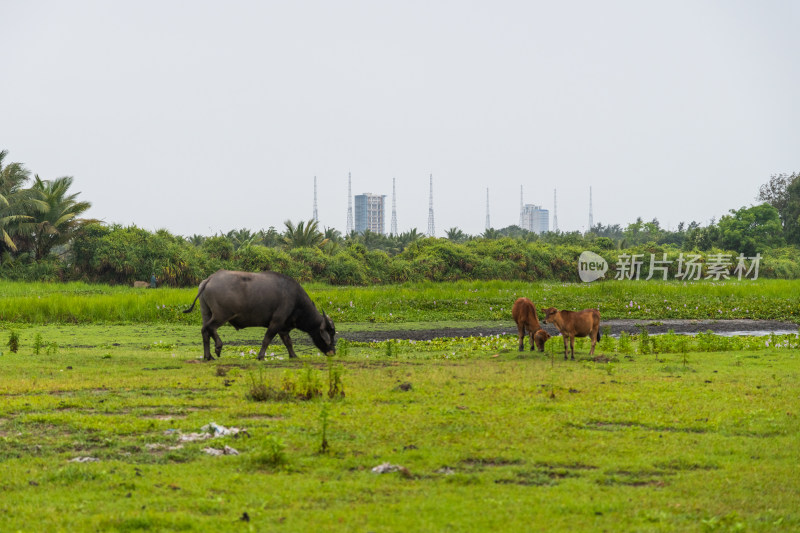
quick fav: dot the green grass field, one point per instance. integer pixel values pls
(484, 438)
(419, 302)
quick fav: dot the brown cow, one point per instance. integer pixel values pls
(573, 324)
(541, 338)
(524, 313)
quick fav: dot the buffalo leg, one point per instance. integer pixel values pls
(268, 336)
(287, 340)
(217, 342)
(208, 331)
(206, 344)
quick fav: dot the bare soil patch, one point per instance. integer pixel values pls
(617, 326)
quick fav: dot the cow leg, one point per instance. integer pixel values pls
(572, 347)
(566, 340)
(288, 342)
(521, 335)
(268, 336)
(533, 343)
(594, 342)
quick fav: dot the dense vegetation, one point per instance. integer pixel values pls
(43, 239)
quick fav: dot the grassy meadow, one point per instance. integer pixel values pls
(419, 302)
(101, 408)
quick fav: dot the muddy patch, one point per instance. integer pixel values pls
(617, 326)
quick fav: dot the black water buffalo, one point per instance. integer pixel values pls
(265, 299)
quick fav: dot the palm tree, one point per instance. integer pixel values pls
(492, 233)
(270, 237)
(333, 234)
(56, 216)
(456, 235)
(196, 240)
(240, 237)
(304, 235)
(14, 201)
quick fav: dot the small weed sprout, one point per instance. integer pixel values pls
(335, 385)
(287, 383)
(309, 385)
(607, 341)
(260, 391)
(13, 341)
(683, 346)
(644, 341)
(342, 347)
(391, 348)
(272, 454)
(37, 344)
(625, 343)
(324, 415)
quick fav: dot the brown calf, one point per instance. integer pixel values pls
(541, 338)
(573, 324)
(524, 313)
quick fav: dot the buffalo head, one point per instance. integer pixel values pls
(325, 340)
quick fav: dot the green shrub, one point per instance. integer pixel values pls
(218, 247)
(644, 341)
(271, 455)
(624, 344)
(344, 269)
(13, 341)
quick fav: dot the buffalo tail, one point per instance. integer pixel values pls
(199, 292)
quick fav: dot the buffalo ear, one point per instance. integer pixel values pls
(328, 322)
(325, 337)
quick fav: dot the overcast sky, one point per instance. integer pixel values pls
(201, 117)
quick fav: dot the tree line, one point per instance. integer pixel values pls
(43, 237)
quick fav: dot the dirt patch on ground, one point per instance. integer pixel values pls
(617, 327)
(689, 326)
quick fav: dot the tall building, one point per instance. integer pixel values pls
(535, 218)
(369, 213)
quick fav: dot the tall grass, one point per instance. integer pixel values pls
(419, 302)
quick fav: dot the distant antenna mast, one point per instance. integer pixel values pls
(521, 209)
(488, 223)
(591, 217)
(394, 209)
(555, 211)
(350, 226)
(431, 228)
(316, 215)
